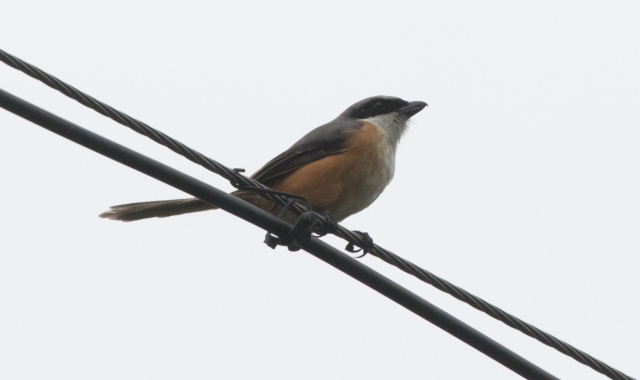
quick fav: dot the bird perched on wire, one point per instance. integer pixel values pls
(341, 167)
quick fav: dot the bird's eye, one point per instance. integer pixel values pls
(378, 106)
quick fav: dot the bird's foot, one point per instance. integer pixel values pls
(329, 227)
(366, 246)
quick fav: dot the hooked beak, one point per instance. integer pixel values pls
(412, 108)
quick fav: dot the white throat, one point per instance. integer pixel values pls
(392, 125)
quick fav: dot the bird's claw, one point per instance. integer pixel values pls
(366, 247)
(330, 226)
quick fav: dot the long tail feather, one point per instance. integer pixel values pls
(156, 209)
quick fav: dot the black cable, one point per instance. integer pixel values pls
(268, 222)
(354, 238)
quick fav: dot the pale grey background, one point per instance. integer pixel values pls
(520, 183)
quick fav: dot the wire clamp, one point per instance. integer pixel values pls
(301, 233)
(302, 230)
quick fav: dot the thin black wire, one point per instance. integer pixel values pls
(239, 180)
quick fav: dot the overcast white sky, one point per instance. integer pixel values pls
(519, 183)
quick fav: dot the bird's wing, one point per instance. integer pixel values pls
(323, 141)
(290, 161)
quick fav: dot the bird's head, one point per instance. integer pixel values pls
(386, 112)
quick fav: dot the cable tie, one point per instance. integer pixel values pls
(301, 232)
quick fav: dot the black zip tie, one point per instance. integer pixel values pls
(301, 232)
